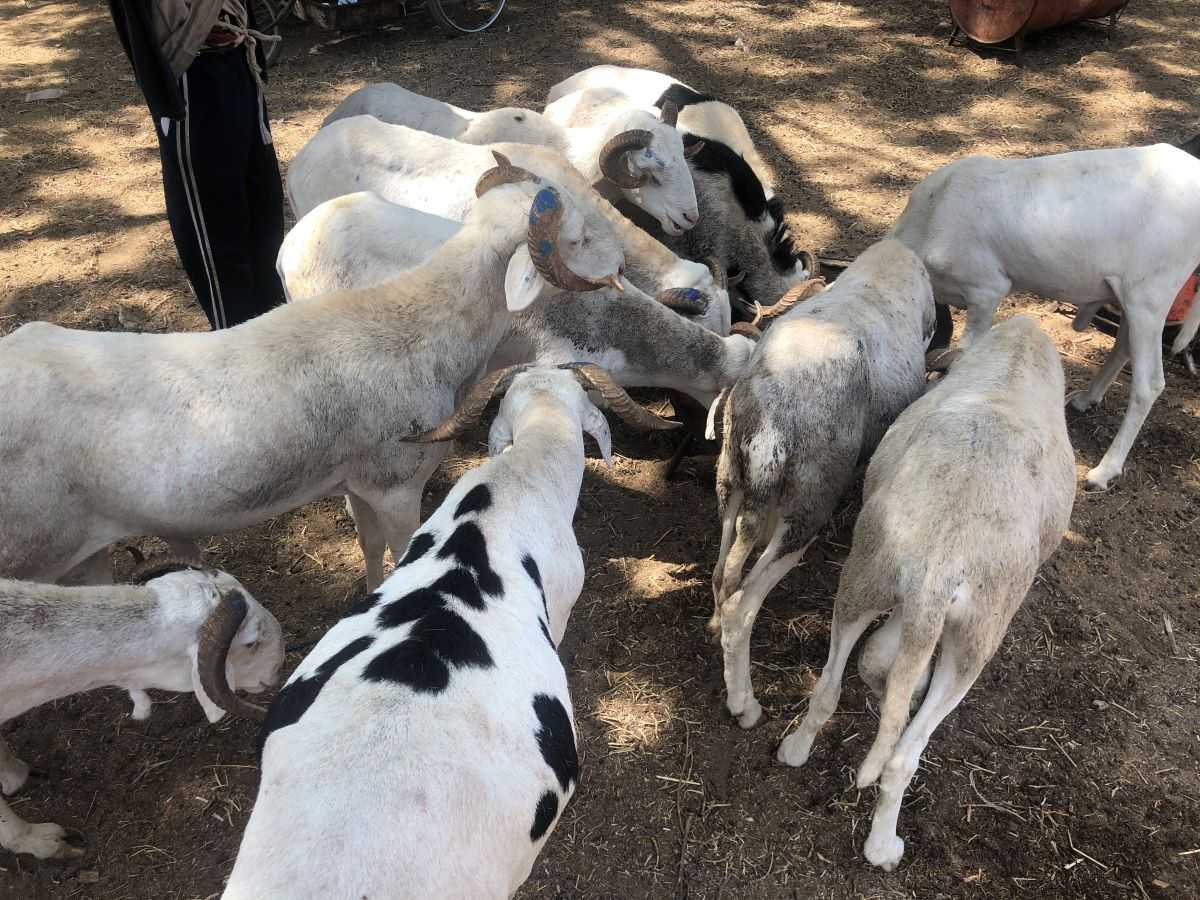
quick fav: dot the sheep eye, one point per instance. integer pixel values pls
(656, 180)
(252, 645)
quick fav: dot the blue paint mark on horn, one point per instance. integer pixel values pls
(692, 294)
(545, 201)
(545, 248)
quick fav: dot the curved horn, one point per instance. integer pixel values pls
(718, 273)
(545, 217)
(687, 301)
(692, 149)
(811, 263)
(216, 634)
(503, 173)
(745, 329)
(801, 292)
(612, 158)
(670, 114)
(735, 280)
(593, 378)
(469, 411)
(157, 566)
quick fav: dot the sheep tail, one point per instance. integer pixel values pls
(714, 411)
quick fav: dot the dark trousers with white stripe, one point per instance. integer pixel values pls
(224, 195)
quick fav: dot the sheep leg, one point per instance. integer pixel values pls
(728, 525)
(1144, 323)
(399, 515)
(950, 682)
(738, 613)
(979, 320)
(45, 841)
(843, 635)
(747, 527)
(142, 704)
(918, 639)
(1117, 357)
(370, 538)
(13, 772)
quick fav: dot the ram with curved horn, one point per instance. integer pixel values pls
(627, 152)
(58, 641)
(461, 640)
(642, 158)
(304, 429)
(673, 340)
(722, 156)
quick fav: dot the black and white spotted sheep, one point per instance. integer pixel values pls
(425, 748)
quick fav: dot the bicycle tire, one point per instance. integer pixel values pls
(267, 16)
(438, 12)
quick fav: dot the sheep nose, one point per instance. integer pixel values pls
(691, 218)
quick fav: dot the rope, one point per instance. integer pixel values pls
(236, 21)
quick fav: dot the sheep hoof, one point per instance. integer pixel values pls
(14, 776)
(1097, 480)
(885, 853)
(750, 715)
(794, 750)
(45, 841)
(1078, 401)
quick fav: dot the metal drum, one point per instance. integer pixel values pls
(993, 21)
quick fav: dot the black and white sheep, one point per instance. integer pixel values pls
(442, 694)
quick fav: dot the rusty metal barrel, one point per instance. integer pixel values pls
(993, 21)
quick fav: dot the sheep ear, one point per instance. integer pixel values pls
(499, 437)
(596, 425)
(522, 283)
(211, 710)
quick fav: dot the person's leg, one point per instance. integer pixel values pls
(182, 218)
(264, 187)
(218, 142)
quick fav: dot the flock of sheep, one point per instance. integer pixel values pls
(627, 235)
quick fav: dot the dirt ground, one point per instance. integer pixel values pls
(1071, 770)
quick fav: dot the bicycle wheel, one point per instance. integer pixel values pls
(267, 14)
(467, 16)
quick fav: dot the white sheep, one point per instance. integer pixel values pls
(968, 493)
(735, 210)
(361, 240)
(822, 387)
(108, 435)
(623, 151)
(391, 103)
(192, 630)
(437, 175)
(443, 692)
(700, 114)
(1089, 228)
